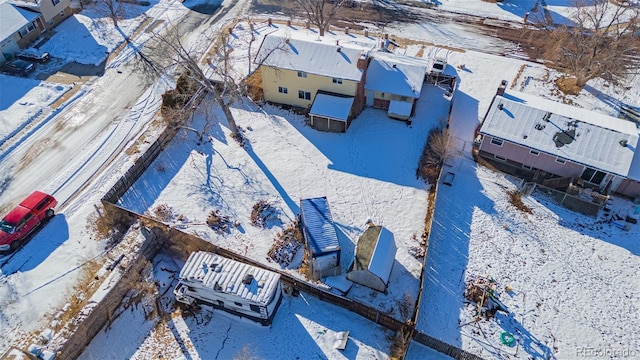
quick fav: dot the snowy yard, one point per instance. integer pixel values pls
(572, 279)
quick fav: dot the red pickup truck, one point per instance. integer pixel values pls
(24, 219)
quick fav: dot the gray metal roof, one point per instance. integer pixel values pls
(226, 275)
(318, 225)
(395, 74)
(376, 252)
(295, 50)
(13, 18)
(572, 133)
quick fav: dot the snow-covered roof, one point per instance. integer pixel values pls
(395, 74)
(401, 108)
(319, 55)
(586, 137)
(332, 106)
(212, 269)
(634, 169)
(13, 18)
(384, 254)
(318, 225)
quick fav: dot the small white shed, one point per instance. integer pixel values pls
(375, 255)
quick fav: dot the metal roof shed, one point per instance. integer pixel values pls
(375, 255)
(320, 236)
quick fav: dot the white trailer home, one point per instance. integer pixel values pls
(232, 286)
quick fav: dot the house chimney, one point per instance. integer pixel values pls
(502, 88)
(362, 61)
(269, 22)
(338, 49)
(230, 30)
(307, 25)
(386, 36)
(251, 26)
(346, 30)
(289, 23)
(366, 33)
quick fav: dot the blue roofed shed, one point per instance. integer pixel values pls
(320, 237)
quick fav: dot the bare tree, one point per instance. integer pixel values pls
(170, 51)
(215, 74)
(321, 12)
(113, 9)
(600, 43)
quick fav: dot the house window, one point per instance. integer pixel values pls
(403, 98)
(526, 167)
(26, 29)
(534, 153)
(337, 81)
(302, 74)
(560, 160)
(283, 90)
(304, 95)
(237, 303)
(254, 308)
(593, 176)
(496, 142)
(55, 2)
(500, 158)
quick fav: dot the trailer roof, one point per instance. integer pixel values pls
(226, 276)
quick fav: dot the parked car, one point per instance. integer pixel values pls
(18, 66)
(33, 56)
(21, 222)
(438, 66)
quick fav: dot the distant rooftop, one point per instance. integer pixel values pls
(13, 18)
(586, 137)
(303, 50)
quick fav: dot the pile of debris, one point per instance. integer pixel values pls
(286, 245)
(483, 292)
(262, 213)
(219, 223)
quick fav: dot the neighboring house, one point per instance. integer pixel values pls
(232, 286)
(320, 237)
(53, 11)
(545, 139)
(18, 28)
(374, 258)
(394, 83)
(296, 68)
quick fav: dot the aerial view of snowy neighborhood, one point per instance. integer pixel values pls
(319, 179)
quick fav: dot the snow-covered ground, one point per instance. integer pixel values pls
(580, 274)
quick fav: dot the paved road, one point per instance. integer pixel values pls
(72, 154)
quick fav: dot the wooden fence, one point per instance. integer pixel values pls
(182, 244)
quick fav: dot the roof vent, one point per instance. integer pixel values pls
(540, 126)
(247, 279)
(623, 142)
(394, 66)
(500, 106)
(547, 116)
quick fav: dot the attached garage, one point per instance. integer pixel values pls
(331, 112)
(400, 110)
